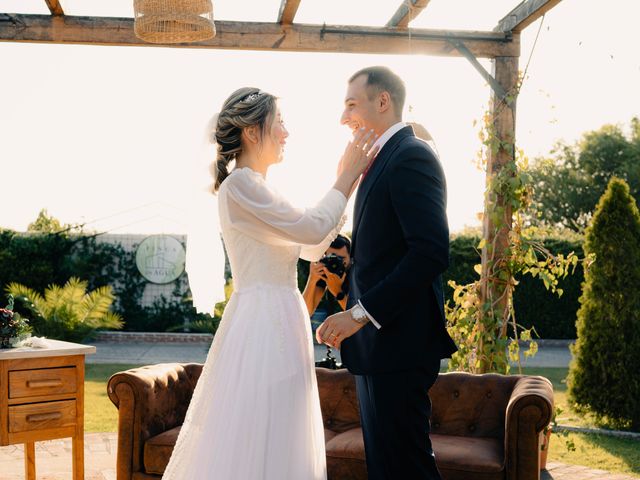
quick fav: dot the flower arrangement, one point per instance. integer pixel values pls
(13, 327)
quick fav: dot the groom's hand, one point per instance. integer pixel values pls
(336, 328)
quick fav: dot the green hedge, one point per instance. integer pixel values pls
(551, 316)
(34, 260)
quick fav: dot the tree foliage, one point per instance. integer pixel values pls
(46, 223)
(604, 375)
(568, 184)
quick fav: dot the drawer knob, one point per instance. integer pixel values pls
(39, 417)
(44, 383)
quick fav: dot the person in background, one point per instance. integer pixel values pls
(326, 275)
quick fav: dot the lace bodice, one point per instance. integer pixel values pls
(265, 235)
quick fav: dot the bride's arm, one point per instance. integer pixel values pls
(313, 253)
(259, 211)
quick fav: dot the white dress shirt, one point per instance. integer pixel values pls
(384, 138)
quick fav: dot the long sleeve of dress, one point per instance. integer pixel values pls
(259, 211)
(313, 253)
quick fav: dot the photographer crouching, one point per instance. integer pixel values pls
(329, 275)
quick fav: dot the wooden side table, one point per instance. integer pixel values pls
(42, 398)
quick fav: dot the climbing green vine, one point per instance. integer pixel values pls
(481, 316)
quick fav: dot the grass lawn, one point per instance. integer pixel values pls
(100, 414)
(595, 451)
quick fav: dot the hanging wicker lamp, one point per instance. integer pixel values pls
(173, 21)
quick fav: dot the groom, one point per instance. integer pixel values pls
(393, 334)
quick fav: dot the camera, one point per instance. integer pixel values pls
(335, 264)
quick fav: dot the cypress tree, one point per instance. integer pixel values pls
(604, 376)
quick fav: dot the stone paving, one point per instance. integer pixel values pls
(53, 459)
(53, 462)
(560, 471)
(146, 353)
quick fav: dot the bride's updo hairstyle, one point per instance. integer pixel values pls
(244, 108)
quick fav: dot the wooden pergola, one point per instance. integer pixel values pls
(501, 45)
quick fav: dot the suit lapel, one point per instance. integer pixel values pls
(372, 176)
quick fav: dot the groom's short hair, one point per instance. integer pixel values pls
(381, 79)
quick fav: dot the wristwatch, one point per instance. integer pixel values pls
(359, 315)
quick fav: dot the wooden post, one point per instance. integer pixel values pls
(30, 461)
(77, 442)
(496, 229)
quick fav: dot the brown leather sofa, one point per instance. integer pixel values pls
(484, 427)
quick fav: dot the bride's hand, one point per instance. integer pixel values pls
(358, 154)
(355, 160)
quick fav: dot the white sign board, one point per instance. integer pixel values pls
(160, 258)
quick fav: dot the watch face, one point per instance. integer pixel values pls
(358, 313)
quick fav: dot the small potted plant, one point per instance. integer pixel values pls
(545, 437)
(13, 327)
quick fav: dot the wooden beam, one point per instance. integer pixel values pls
(498, 91)
(406, 12)
(524, 15)
(262, 36)
(54, 7)
(288, 10)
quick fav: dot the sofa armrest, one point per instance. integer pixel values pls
(529, 410)
(150, 400)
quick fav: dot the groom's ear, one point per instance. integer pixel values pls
(384, 102)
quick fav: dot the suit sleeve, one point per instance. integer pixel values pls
(418, 195)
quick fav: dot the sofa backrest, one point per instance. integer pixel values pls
(463, 404)
(338, 399)
(470, 405)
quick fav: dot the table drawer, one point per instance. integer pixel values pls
(38, 416)
(42, 381)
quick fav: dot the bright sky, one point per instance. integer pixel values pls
(115, 134)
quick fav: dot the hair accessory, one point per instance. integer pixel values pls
(252, 97)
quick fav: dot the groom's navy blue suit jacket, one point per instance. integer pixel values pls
(400, 248)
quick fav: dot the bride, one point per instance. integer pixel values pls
(255, 412)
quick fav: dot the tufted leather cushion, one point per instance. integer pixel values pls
(469, 457)
(328, 435)
(157, 451)
(348, 444)
(345, 456)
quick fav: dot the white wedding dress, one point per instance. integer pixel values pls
(255, 412)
